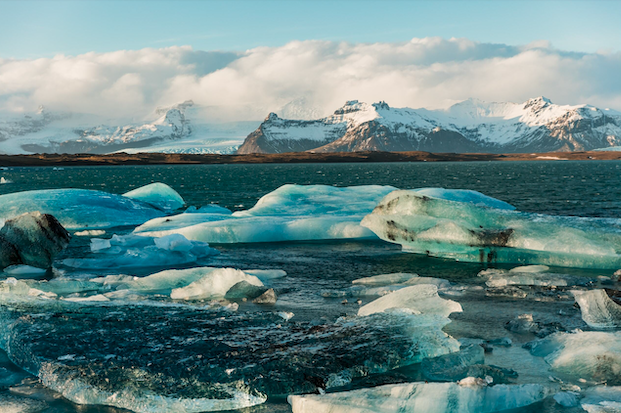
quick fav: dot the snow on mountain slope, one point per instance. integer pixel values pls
(174, 130)
(469, 126)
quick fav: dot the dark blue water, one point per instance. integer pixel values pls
(561, 188)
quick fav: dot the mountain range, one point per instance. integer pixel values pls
(536, 125)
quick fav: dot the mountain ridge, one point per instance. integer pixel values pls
(537, 125)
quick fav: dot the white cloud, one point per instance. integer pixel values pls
(429, 72)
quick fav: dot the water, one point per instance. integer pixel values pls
(560, 188)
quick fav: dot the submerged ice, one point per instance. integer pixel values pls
(469, 232)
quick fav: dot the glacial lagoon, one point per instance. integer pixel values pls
(227, 304)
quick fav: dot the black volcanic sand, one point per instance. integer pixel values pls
(293, 157)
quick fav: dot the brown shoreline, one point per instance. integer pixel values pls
(294, 157)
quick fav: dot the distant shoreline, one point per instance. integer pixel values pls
(294, 157)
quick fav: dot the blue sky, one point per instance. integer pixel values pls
(32, 29)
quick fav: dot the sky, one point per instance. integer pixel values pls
(242, 59)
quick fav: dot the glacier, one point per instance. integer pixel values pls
(90, 209)
(466, 232)
(297, 213)
(422, 398)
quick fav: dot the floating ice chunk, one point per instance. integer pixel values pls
(602, 399)
(385, 279)
(587, 355)
(16, 404)
(23, 270)
(159, 195)
(422, 398)
(93, 298)
(130, 251)
(290, 213)
(467, 196)
(208, 209)
(90, 233)
(419, 298)
(453, 366)
(266, 275)
(597, 309)
(567, 398)
(79, 208)
(466, 232)
(214, 284)
(3, 180)
(530, 268)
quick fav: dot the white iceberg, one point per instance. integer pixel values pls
(589, 355)
(79, 208)
(597, 309)
(159, 195)
(467, 232)
(214, 284)
(422, 398)
(421, 299)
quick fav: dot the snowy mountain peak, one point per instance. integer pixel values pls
(536, 125)
(271, 117)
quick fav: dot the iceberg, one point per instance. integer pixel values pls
(32, 239)
(602, 399)
(421, 299)
(79, 208)
(422, 398)
(158, 195)
(467, 232)
(589, 355)
(296, 213)
(214, 284)
(135, 251)
(597, 309)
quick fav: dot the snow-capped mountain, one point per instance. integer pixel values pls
(536, 125)
(176, 129)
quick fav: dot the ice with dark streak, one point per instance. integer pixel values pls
(462, 231)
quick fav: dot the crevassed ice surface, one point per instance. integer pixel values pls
(159, 195)
(79, 208)
(297, 212)
(422, 398)
(466, 232)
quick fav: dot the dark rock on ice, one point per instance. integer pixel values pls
(32, 239)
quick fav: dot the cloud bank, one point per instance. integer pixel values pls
(320, 75)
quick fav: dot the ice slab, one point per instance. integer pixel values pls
(589, 355)
(597, 309)
(214, 284)
(533, 275)
(135, 251)
(422, 398)
(293, 213)
(158, 195)
(421, 299)
(79, 208)
(602, 399)
(466, 232)
(126, 356)
(385, 279)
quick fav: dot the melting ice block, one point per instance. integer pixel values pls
(422, 298)
(589, 355)
(135, 251)
(79, 208)
(467, 232)
(602, 399)
(159, 195)
(214, 284)
(422, 398)
(296, 212)
(597, 309)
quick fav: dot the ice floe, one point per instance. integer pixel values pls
(159, 195)
(597, 309)
(467, 232)
(422, 299)
(602, 399)
(422, 398)
(82, 208)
